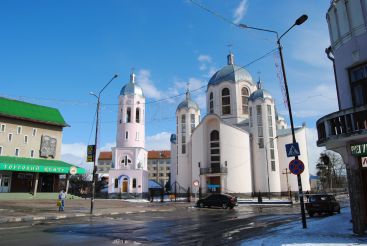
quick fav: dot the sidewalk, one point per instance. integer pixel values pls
(46, 209)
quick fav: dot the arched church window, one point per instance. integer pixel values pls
(116, 183)
(134, 183)
(214, 152)
(245, 95)
(226, 101)
(211, 103)
(137, 115)
(128, 115)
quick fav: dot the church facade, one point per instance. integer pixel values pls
(239, 146)
(129, 172)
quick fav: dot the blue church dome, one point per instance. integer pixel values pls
(230, 73)
(260, 93)
(188, 103)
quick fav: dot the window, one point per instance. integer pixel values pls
(10, 137)
(250, 108)
(137, 136)
(161, 174)
(214, 151)
(32, 153)
(260, 126)
(137, 115)
(116, 183)
(183, 149)
(1, 150)
(25, 139)
(128, 115)
(358, 80)
(211, 103)
(192, 118)
(19, 130)
(16, 152)
(34, 132)
(167, 168)
(126, 135)
(273, 165)
(183, 134)
(134, 183)
(226, 101)
(270, 121)
(245, 95)
(2, 128)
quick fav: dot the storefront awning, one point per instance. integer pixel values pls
(20, 164)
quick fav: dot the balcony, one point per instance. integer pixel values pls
(343, 124)
(213, 170)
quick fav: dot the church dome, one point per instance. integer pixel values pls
(188, 103)
(260, 93)
(131, 88)
(230, 73)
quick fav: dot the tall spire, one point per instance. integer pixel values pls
(259, 83)
(132, 76)
(230, 56)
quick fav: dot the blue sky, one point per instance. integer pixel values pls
(55, 52)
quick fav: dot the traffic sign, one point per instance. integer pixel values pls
(196, 183)
(90, 153)
(296, 166)
(292, 149)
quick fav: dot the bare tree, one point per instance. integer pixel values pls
(331, 170)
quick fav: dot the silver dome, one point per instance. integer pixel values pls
(188, 103)
(131, 88)
(230, 73)
(260, 93)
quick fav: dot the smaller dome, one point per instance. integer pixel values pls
(188, 103)
(173, 138)
(131, 88)
(260, 93)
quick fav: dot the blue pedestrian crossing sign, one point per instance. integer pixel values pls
(292, 149)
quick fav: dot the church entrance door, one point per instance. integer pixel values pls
(124, 185)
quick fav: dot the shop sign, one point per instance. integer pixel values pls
(33, 168)
(364, 161)
(359, 149)
(90, 153)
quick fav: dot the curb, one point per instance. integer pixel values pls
(68, 216)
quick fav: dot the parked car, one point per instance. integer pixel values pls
(322, 204)
(218, 200)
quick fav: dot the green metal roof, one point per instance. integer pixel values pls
(21, 164)
(31, 112)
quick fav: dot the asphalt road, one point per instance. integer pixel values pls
(189, 226)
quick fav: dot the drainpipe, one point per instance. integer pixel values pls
(328, 52)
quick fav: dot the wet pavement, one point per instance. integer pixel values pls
(183, 226)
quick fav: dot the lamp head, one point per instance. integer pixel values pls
(115, 76)
(301, 19)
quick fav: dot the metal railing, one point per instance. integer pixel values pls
(212, 170)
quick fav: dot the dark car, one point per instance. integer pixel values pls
(218, 200)
(322, 204)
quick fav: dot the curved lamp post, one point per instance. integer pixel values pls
(95, 142)
(298, 22)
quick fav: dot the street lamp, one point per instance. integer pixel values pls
(298, 22)
(95, 142)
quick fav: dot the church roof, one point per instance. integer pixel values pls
(131, 88)
(260, 93)
(188, 103)
(231, 73)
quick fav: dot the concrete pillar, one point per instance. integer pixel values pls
(35, 184)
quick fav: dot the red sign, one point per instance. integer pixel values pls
(296, 166)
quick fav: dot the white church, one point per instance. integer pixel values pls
(239, 146)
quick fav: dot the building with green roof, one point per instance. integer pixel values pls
(30, 148)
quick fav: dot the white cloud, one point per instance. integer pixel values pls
(313, 150)
(159, 141)
(75, 149)
(205, 58)
(108, 146)
(149, 89)
(240, 11)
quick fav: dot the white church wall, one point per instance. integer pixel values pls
(235, 151)
(199, 149)
(284, 161)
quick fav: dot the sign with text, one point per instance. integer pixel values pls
(359, 149)
(90, 153)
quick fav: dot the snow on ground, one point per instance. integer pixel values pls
(321, 230)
